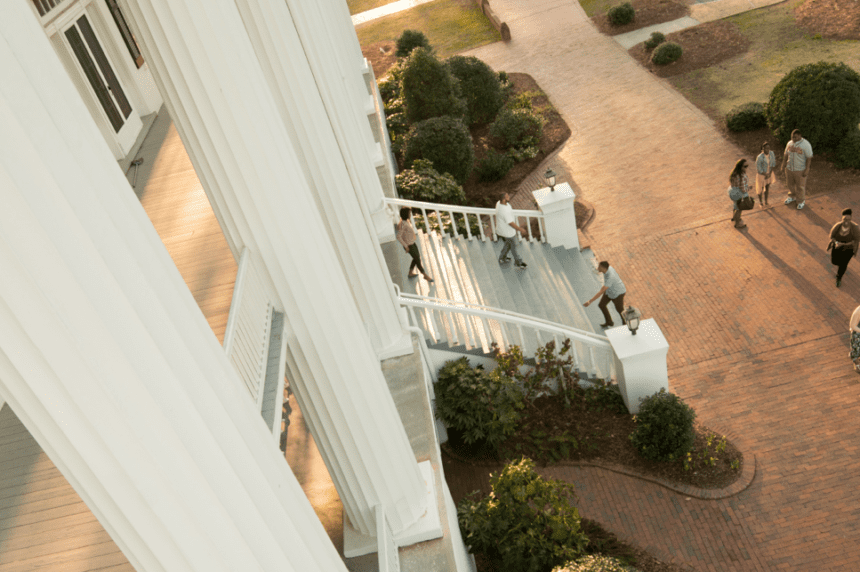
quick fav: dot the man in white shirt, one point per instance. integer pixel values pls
(506, 228)
(613, 289)
(796, 162)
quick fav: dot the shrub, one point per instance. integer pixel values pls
(655, 40)
(520, 154)
(424, 183)
(664, 427)
(848, 151)
(397, 130)
(528, 523)
(494, 166)
(822, 100)
(517, 128)
(521, 101)
(393, 106)
(483, 406)
(666, 53)
(621, 15)
(409, 40)
(429, 88)
(746, 117)
(479, 86)
(389, 89)
(445, 142)
(595, 563)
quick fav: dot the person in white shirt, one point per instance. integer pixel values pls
(796, 162)
(854, 334)
(506, 229)
(613, 290)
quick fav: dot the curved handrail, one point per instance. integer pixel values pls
(445, 208)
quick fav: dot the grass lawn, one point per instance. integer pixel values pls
(593, 7)
(451, 26)
(777, 46)
(359, 6)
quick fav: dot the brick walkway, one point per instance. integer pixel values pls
(757, 329)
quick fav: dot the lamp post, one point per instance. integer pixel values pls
(631, 316)
(550, 179)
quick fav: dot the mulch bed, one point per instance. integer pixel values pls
(648, 13)
(380, 56)
(834, 19)
(704, 45)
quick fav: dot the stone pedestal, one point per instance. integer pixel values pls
(640, 361)
(559, 217)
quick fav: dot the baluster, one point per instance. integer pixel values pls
(468, 226)
(412, 319)
(454, 233)
(481, 228)
(593, 361)
(522, 343)
(426, 220)
(542, 227)
(493, 227)
(470, 331)
(529, 225)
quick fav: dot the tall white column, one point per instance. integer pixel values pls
(108, 361)
(337, 192)
(217, 94)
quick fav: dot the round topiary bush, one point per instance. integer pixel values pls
(527, 523)
(424, 183)
(429, 88)
(595, 563)
(666, 53)
(655, 40)
(445, 142)
(848, 151)
(517, 128)
(409, 40)
(822, 100)
(494, 166)
(664, 427)
(479, 86)
(622, 14)
(484, 407)
(746, 117)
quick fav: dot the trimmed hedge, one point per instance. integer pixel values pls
(848, 151)
(480, 88)
(655, 40)
(445, 142)
(622, 14)
(517, 128)
(494, 166)
(746, 117)
(664, 427)
(666, 53)
(429, 88)
(424, 183)
(409, 40)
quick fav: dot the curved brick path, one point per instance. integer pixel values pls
(757, 330)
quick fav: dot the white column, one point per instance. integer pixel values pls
(299, 100)
(640, 361)
(216, 92)
(559, 215)
(108, 361)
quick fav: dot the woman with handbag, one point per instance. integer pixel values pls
(739, 192)
(844, 241)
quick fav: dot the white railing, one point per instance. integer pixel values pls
(477, 327)
(246, 339)
(389, 557)
(465, 217)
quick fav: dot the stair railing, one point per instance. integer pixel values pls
(475, 326)
(483, 217)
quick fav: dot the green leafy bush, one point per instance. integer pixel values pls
(520, 154)
(848, 151)
(444, 141)
(441, 223)
(517, 128)
(822, 100)
(429, 88)
(655, 40)
(666, 53)
(424, 183)
(394, 106)
(397, 130)
(527, 523)
(622, 14)
(664, 427)
(483, 406)
(479, 86)
(595, 563)
(746, 117)
(409, 40)
(389, 89)
(521, 101)
(494, 166)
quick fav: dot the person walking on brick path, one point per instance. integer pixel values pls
(406, 237)
(506, 228)
(613, 289)
(738, 189)
(765, 164)
(854, 333)
(796, 162)
(844, 241)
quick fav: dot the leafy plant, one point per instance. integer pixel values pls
(708, 456)
(595, 563)
(444, 141)
(409, 40)
(484, 406)
(397, 130)
(654, 40)
(822, 100)
(517, 128)
(389, 89)
(622, 14)
(848, 151)
(528, 523)
(429, 88)
(479, 86)
(520, 154)
(664, 427)
(424, 183)
(441, 222)
(746, 117)
(494, 166)
(666, 53)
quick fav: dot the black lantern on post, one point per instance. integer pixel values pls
(550, 179)
(632, 316)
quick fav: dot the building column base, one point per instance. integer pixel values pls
(428, 527)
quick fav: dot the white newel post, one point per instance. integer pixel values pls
(216, 91)
(106, 358)
(640, 361)
(559, 216)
